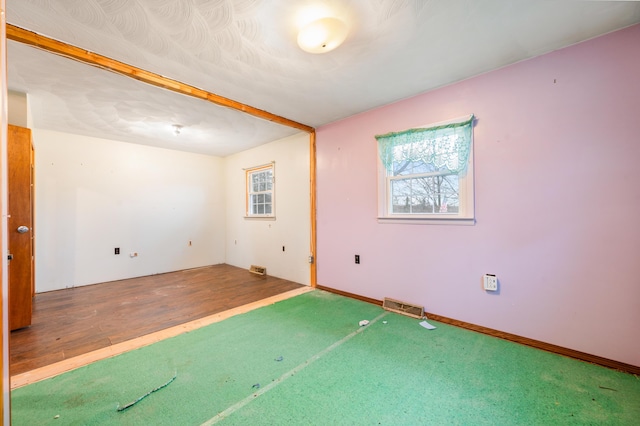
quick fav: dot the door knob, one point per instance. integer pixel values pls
(22, 229)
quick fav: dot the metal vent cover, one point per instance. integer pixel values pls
(404, 308)
(258, 270)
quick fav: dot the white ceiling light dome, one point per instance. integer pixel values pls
(322, 35)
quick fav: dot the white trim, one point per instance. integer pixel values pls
(466, 221)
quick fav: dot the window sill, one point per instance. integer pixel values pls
(465, 221)
(260, 217)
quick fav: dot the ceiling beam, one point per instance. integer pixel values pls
(90, 58)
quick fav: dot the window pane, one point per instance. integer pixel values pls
(262, 181)
(268, 180)
(409, 167)
(420, 155)
(425, 195)
(260, 208)
(267, 208)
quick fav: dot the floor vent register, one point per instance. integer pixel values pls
(404, 308)
(258, 270)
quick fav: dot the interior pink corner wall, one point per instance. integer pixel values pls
(557, 187)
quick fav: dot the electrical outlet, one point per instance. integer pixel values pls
(357, 259)
(116, 250)
(490, 282)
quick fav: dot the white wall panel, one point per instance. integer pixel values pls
(93, 195)
(260, 241)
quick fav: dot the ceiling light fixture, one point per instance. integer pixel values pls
(176, 129)
(322, 35)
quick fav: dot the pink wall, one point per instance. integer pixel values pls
(557, 186)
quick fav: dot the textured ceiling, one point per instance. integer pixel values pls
(246, 50)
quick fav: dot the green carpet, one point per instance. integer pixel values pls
(306, 361)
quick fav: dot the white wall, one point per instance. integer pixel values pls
(93, 195)
(260, 241)
(18, 110)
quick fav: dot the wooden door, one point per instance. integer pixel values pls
(20, 225)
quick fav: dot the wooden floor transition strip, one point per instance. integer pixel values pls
(560, 350)
(53, 370)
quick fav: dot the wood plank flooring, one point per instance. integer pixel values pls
(71, 322)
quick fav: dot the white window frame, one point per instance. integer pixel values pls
(249, 190)
(466, 213)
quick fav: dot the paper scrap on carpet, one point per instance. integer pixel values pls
(427, 325)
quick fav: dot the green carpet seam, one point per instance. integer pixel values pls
(235, 407)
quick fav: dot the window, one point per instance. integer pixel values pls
(427, 173)
(260, 191)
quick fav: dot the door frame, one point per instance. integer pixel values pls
(5, 404)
